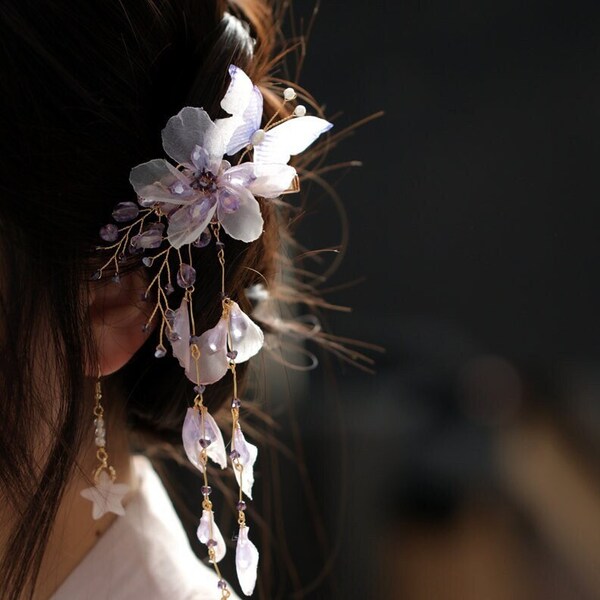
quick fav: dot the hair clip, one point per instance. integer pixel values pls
(190, 202)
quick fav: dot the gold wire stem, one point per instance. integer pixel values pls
(118, 246)
(207, 505)
(216, 229)
(271, 124)
(101, 452)
(188, 294)
(164, 264)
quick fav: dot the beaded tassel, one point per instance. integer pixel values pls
(106, 495)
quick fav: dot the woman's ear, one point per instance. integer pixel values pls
(118, 317)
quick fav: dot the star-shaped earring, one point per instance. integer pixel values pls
(106, 496)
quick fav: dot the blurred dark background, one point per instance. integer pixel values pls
(467, 467)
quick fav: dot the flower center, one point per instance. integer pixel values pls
(204, 181)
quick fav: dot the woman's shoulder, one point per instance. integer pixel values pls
(143, 554)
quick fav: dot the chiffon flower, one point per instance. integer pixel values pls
(234, 338)
(204, 188)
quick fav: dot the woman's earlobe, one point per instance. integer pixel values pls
(118, 317)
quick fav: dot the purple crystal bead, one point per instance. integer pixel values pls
(147, 261)
(234, 455)
(170, 315)
(186, 276)
(109, 233)
(152, 238)
(222, 584)
(211, 543)
(116, 278)
(160, 351)
(169, 289)
(241, 505)
(232, 354)
(204, 443)
(96, 276)
(199, 389)
(219, 244)
(173, 336)
(125, 211)
(203, 240)
(236, 403)
(206, 490)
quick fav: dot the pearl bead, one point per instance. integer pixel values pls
(289, 93)
(300, 110)
(257, 137)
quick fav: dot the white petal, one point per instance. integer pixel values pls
(152, 182)
(207, 529)
(213, 361)
(192, 127)
(246, 561)
(268, 181)
(272, 180)
(188, 222)
(246, 337)
(181, 326)
(238, 93)
(248, 454)
(199, 424)
(289, 138)
(244, 101)
(239, 130)
(246, 223)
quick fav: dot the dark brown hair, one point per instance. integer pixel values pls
(85, 93)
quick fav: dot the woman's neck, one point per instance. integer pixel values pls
(75, 532)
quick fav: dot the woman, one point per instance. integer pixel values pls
(86, 92)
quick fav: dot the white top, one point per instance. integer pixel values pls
(142, 555)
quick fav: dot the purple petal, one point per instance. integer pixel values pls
(200, 158)
(158, 181)
(192, 127)
(200, 425)
(246, 223)
(246, 336)
(244, 102)
(181, 327)
(246, 561)
(188, 222)
(207, 529)
(247, 125)
(213, 363)
(247, 457)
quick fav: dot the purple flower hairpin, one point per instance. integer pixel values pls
(186, 204)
